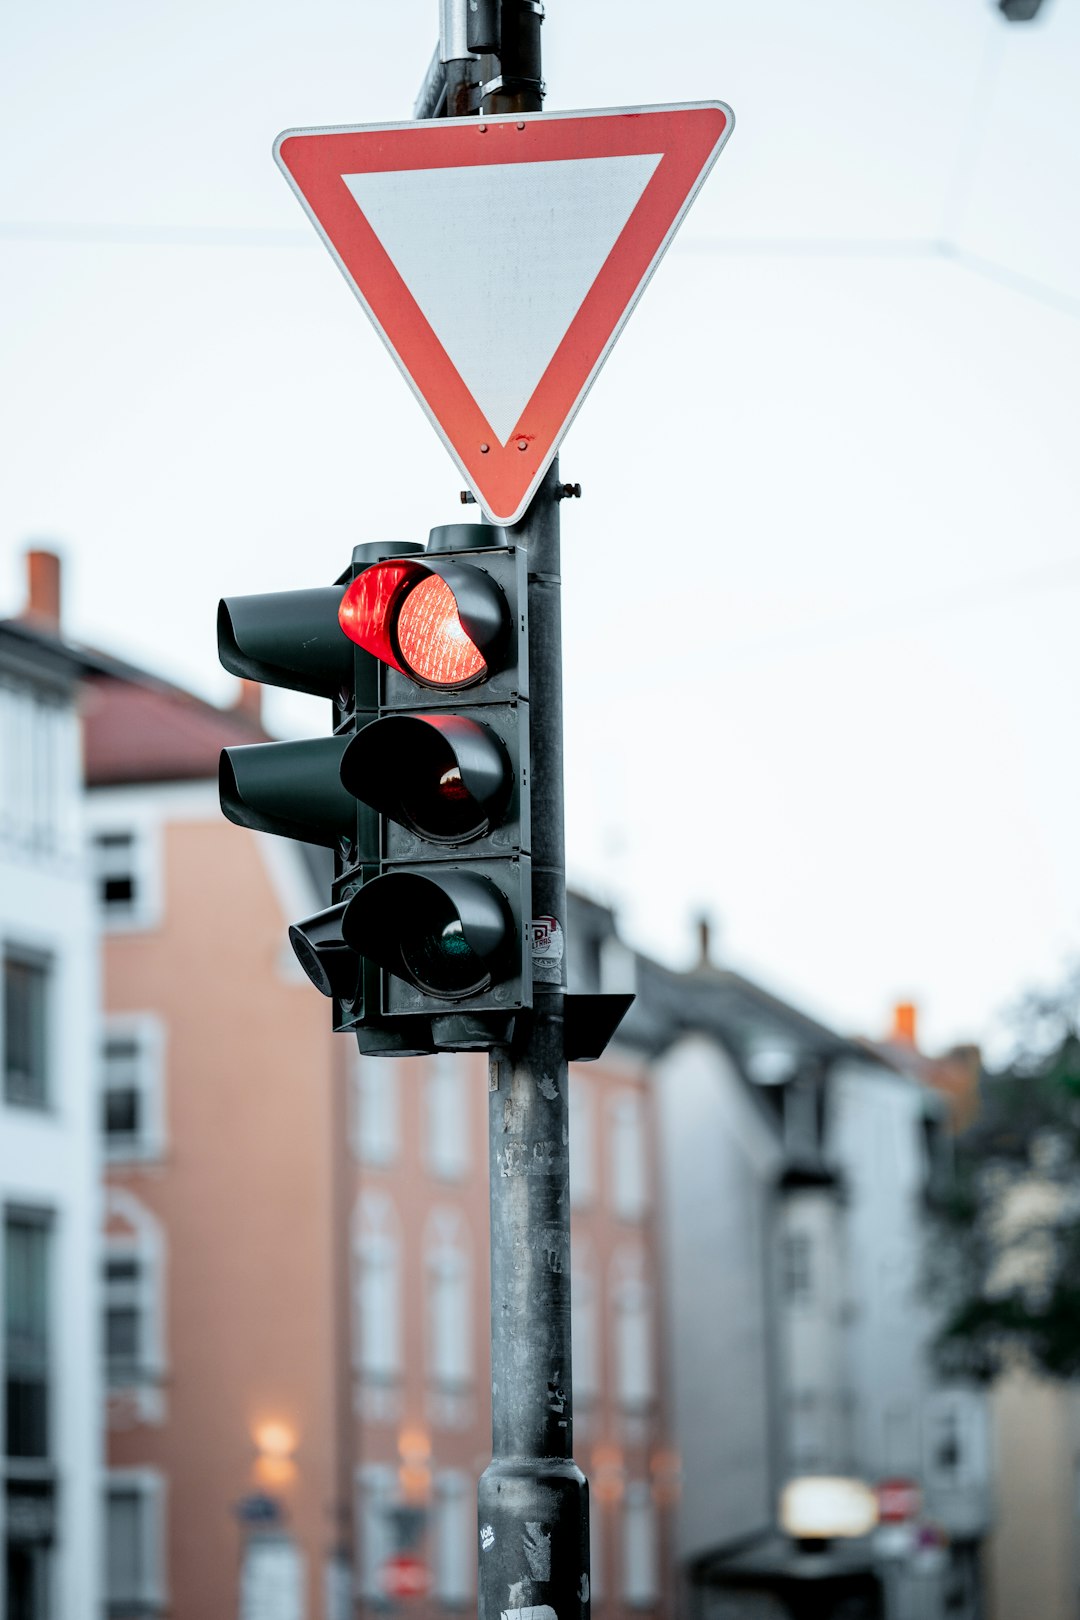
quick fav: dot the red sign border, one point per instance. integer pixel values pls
(505, 477)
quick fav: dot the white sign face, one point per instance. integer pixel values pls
(499, 258)
(272, 1580)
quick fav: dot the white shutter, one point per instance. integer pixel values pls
(629, 1191)
(640, 1559)
(455, 1539)
(447, 1110)
(582, 1141)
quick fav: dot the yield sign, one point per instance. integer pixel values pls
(500, 257)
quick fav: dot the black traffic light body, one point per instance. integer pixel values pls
(422, 791)
(443, 767)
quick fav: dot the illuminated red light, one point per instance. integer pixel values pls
(407, 615)
(432, 643)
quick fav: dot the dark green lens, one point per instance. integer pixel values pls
(442, 962)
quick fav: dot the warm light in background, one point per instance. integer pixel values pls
(275, 1443)
(414, 1474)
(822, 1508)
(606, 1476)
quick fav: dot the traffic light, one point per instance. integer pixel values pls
(422, 790)
(443, 765)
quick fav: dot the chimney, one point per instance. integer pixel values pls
(705, 941)
(248, 702)
(905, 1024)
(43, 589)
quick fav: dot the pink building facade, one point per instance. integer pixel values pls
(295, 1259)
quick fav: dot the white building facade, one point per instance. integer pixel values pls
(50, 1450)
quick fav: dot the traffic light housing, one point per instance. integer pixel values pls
(443, 764)
(422, 791)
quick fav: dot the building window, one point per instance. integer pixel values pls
(640, 1557)
(26, 1015)
(127, 1328)
(376, 1489)
(377, 1291)
(629, 1185)
(133, 1307)
(134, 1541)
(27, 1238)
(454, 1539)
(447, 1117)
(634, 1373)
(131, 1090)
(797, 1268)
(127, 894)
(582, 1143)
(449, 1316)
(376, 1097)
(39, 780)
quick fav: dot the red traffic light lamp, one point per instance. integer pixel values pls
(441, 623)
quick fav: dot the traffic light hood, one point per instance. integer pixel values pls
(445, 776)
(287, 638)
(450, 937)
(289, 788)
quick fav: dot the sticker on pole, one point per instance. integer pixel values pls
(499, 258)
(546, 946)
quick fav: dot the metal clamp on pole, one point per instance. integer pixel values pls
(519, 85)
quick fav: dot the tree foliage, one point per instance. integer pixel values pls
(1006, 1250)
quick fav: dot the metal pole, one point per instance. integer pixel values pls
(533, 1499)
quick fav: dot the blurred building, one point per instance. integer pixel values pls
(294, 1258)
(295, 1267)
(50, 1417)
(797, 1168)
(222, 1110)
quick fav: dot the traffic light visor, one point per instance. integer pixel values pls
(441, 625)
(331, 965)
(448, 937)
(446, 777)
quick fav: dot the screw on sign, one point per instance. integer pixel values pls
(405, 1576)
(898, 1501)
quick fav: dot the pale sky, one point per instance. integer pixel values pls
(821, 662)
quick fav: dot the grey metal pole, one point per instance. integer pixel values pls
(533, 1499)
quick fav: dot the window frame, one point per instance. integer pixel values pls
(40, 1220)
(144, 909)
(147, 1032)
(144, 1243)
(448, 1277)
(447, 1118)
(19, 1089)
(628, 1162)
(148, 1485)
(375, 1094)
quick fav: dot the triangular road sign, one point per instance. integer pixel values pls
(500, 257)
